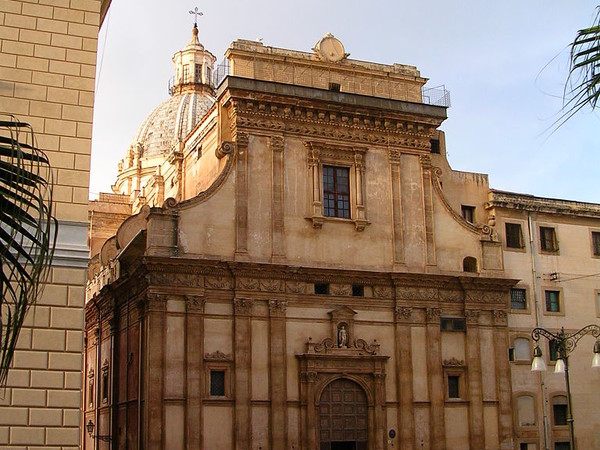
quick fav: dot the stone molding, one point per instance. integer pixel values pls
(242, 306)
(277, 308)
(404, 313)
(71, 248)
(218, 356)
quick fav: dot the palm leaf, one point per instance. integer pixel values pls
(27, 230)
(582, 88)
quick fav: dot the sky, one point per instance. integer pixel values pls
(505, 64)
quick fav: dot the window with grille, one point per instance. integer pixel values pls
(217, 383)
(453, 386)
(336, 192)
(514, 235)
(548, 241)
(186, 74)
(552, 301)
(198, 73)
(559, 409)
(596, 243)
(435, 146)
(518, 299)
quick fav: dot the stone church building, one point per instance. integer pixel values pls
(287, 261)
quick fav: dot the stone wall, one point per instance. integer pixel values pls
(47, 71)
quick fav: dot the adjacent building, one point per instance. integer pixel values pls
(47, 72)
(287, 261)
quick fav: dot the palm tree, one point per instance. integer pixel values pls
(27, 230)
(583, 83)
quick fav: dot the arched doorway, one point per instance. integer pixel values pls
(343, 417)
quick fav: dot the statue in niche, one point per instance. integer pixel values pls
(342, 336)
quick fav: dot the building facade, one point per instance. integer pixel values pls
(47, 72)
(287, 261)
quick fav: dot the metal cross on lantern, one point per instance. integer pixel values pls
(196, 13)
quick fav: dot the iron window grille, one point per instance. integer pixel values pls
(518, 299)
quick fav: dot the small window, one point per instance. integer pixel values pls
(526, 411)
(198, 73)
(552, 301)
(453, 386)
(518, 298)
(596, 243)
(453, 324)
(335, 87)
(217, 383)
(470, 264)
(336, 192)
(523, 446)
(548, 241)
(105, 385)
(186, 74)
(562, 446)
(322, 288)
(358, 290)
(199, 151)
(553, 349)
(559, 409)
(468, 213)
(514, 235)
(522, 349)
(435, 146)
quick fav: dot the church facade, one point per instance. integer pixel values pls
(288, 261)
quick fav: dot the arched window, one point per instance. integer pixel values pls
(522, 349)
(470, 264)
(525, 411)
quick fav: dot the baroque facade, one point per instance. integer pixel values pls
(288, 261)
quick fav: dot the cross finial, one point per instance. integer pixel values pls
(196, 14)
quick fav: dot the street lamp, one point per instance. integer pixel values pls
(90, 429)
(564, 344)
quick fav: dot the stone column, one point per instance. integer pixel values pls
(428, 207)
(436, 381)
(154, 355)
(277, 243)
(277, 369)
(241, 196)
(406, 419)
(505, 423)
(242, 309)
(473, 345)
(379, 415)
(194, 354)
(396, 192)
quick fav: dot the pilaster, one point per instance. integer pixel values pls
(241, 196)
(277, 232)
(505, 422)
(194, 351)
(242, 311)
(398, 235)
(476, 429)
(277, 369)
(406, 420)
(436, 381)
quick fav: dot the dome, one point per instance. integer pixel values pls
(172, 121)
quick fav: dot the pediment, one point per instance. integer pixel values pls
(343, 312)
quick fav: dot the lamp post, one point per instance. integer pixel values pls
(90, 429)
(564, 344)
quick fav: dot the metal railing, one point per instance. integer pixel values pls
(436, 96)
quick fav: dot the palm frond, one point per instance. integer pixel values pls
(582, 88)
(27, 230)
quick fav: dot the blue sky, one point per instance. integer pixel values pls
(504, 63)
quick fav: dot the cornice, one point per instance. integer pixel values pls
(510, 200)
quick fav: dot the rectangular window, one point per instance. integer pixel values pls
(453, 386)
(553, 347)
(217, 383)
(518, 299)
(186, 74)
(548, 241)
(596, 243)
(559, 410)
(336, 192)
(358, 290)
(322, 288)
(335, 87)
(105, 386)
(435, 146)
(453, 324)
(198, 73)
(562, 446)
(208, 75)
(514, 235)
(468, 213)
(552, 301)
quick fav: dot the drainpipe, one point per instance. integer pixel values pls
(538, 315)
